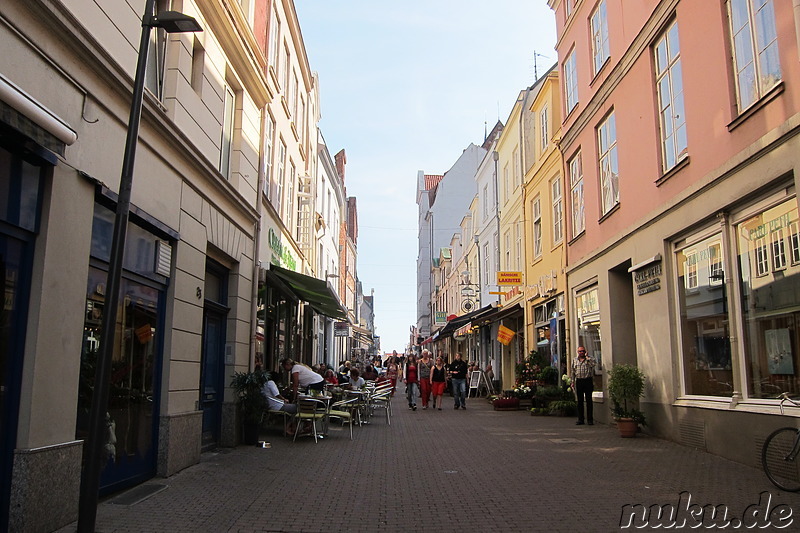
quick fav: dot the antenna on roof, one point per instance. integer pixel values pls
(535, 70)
(485, 134)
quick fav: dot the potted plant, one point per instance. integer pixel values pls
(247, 386)
(625, 387)
(563, 407)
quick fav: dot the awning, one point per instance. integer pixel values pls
(459, 321)
(312, 290)
(502, 312)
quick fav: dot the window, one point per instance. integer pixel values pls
(301, 119)
(198, 66)
(778, 250)
(761, 257)
(794, 242)
(609, 172)
(486, 265)
(226, 146)
(285, 68)
(599, 28)
(545, 137)
(507, 264)
(290, 195)
(302, 205)
(576, 188)
(755, 47)
(536, 211)
(506, 184)
(281, 181)
(716, 274)
(485, 201)
(571, 81)
(569, 5)
(516, 163)
(268, 140)
(704, 321)
(770, 303)
(156, 56)
(558, 211)
(669, 83)
(293, 97)
(587, 308)
(518, 245)
(275, 43)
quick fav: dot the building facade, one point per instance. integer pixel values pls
(682, 247)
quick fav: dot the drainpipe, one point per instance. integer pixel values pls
(495, 158)
(796, 6)
(257, 245)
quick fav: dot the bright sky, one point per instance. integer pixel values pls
(407, 86)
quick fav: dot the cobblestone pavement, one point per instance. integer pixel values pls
(473, 470)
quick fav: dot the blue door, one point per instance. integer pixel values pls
(212, 379)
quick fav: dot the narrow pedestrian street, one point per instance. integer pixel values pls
(468, 470)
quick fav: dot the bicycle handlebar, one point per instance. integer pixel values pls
(785, 398)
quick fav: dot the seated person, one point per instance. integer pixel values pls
(369, 373)
(276, 402)
(331, 378)
(356, 382)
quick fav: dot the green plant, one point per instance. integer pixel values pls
(539, 411)
(625, 387)
(247, 386)
(563, 407)
(548, 392)
(548, 375)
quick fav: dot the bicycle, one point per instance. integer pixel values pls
(779, 454)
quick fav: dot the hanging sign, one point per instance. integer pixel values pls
(504, 335)
(509, 278)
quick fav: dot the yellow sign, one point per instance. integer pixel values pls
(504, 335)
(509, 278)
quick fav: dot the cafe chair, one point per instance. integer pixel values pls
(382, 399)
(278, 413)
(309, 410)
(343, 410)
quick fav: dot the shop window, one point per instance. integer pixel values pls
(770, 302)
(588, 310)
(704, 325)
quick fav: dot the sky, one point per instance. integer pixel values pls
(407, 86)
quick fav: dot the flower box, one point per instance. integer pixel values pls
(506, 404)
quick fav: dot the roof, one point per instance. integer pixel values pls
(432, 180)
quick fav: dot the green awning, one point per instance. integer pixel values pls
(312, 290)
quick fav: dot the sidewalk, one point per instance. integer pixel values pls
(473, 470)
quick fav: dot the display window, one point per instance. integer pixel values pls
(768, 248)
(704, 322)
(587, 306)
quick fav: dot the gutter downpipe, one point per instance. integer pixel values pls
(257, 246)
(495, 158)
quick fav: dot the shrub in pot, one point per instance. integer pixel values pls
(625, 387)
(247, 386)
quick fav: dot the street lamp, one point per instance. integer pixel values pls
(171, 22)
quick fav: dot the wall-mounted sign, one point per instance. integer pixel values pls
(509, 278)
(341, 329)
(281, 255)
(648, 279)
(504, 335)
(440, 317)
(543, 287)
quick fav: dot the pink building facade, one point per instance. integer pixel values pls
(681, 157)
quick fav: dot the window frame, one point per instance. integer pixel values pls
(577, 213)
(601, 50)
(671, 111)
(608, 163)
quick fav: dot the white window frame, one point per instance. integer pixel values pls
(578, 209)
(226, 142)
(544, 137)
(281, 181)
(794, 242)
(761, 257)
(778, 249)
(558, 210)
(669, 87)
(571, 82)
(757, 66)
(608, 163)
(536, 217)
(269, 139)
(290, 195)
(275, 43)
(599, 32)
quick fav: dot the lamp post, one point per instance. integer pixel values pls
(171, 22)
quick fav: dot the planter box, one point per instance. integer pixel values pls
(506, 404)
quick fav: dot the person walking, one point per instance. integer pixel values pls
(582, 377)
(424, 370)
(458, 380)
(411, 379)
(391, 372)
(438, 382)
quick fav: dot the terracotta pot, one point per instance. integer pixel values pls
(627, 427)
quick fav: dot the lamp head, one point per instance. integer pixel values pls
(175, 22)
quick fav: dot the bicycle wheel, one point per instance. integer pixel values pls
(782, 471)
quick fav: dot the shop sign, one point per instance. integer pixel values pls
(342, 329)
(504, 335)
(281, 255)
(545, 285)
(648, 279)
(440, 317)
(462, 332)
(512, 293)
(509, 278)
